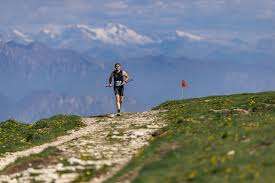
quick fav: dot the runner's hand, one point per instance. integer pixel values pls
(109, 85)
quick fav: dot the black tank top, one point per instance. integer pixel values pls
(118, 78)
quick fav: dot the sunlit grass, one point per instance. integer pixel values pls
(16, 136)
(211, 139)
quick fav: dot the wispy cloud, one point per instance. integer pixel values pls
(119, 5)
(143, 14)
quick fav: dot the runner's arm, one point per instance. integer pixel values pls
(111, 78)
(126, 76)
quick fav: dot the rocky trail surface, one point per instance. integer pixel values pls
(92, 154)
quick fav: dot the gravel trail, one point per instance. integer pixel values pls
(92, 154)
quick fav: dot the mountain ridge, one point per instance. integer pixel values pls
(205, 138)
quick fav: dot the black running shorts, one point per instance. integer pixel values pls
(119, 90)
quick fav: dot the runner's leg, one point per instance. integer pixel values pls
(118, 102)
(121, 99)
(121, 95)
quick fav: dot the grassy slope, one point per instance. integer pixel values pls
(16, 136)
(46, 157)
(202, 145)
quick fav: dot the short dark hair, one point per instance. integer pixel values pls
(117, 64)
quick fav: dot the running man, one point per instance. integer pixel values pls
(120, 79)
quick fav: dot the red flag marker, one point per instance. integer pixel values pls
(184, 84)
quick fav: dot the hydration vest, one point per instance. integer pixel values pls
(118, 78)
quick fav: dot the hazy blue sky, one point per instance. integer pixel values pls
(228, 16)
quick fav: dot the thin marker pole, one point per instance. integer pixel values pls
(183, 85)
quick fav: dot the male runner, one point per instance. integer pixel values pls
(120, 79)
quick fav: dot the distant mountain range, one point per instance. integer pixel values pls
(65, 69)
(117, 40)
(43, 81)
(70, 36)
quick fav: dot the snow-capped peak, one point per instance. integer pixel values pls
(121, 34)
(189, 35)
(22, 36)
(51, 31)
(112, 34)
(116, 27)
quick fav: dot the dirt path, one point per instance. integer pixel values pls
(92, 153)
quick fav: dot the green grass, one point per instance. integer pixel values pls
(47, 156)
(15, 136)
(88, 173)
(203, 145)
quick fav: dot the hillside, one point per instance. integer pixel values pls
(211, 139)
(15, 136)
